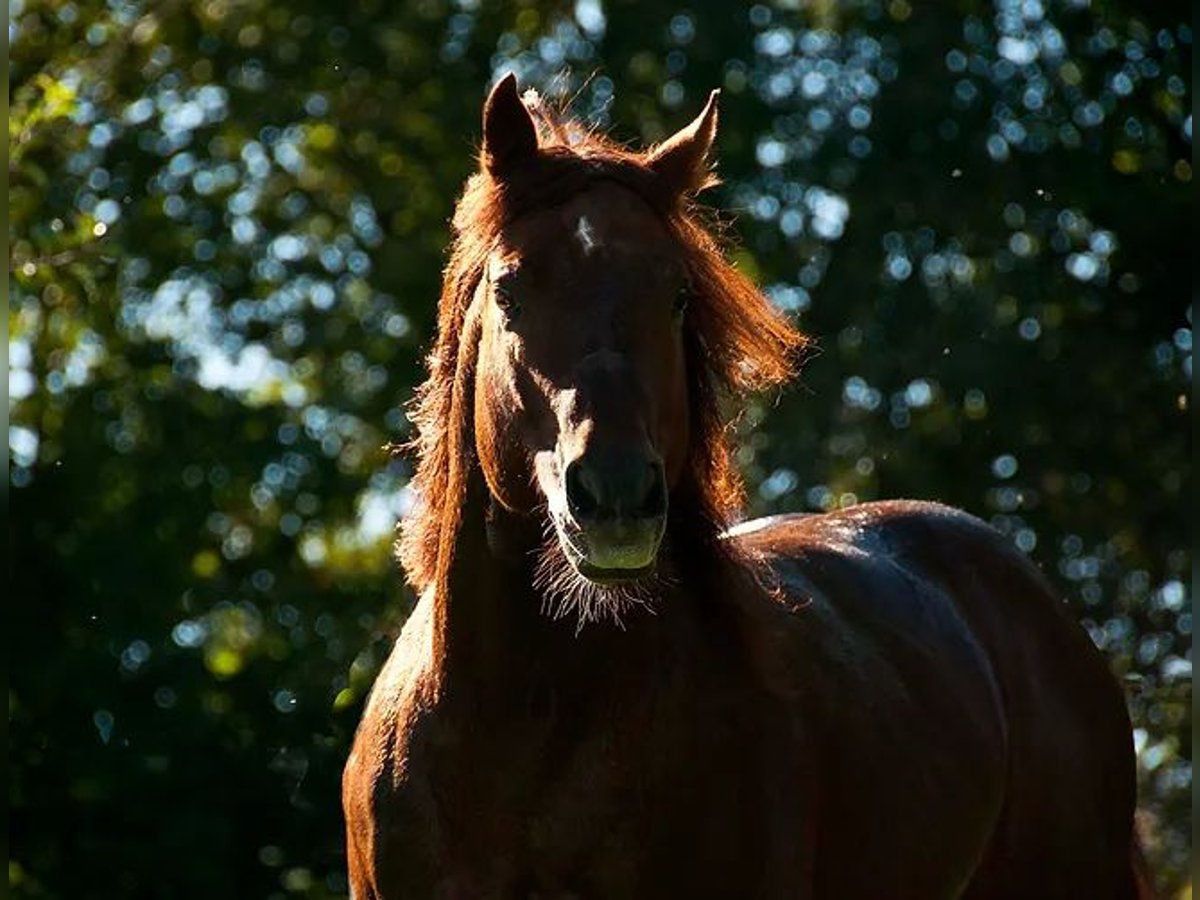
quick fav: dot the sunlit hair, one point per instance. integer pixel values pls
(735, 341)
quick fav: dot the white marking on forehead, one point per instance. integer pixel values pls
(586, 235)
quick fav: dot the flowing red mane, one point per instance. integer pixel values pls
(736, 341)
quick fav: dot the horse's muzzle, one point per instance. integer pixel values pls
(617, 512)
(615, 550)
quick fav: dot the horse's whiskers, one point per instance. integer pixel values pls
(564, 592)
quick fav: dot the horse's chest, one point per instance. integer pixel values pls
(544, 813)
(555, 810)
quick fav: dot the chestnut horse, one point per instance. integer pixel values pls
(605, 690)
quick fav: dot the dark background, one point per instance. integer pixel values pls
(227, 222)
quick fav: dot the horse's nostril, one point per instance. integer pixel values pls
(581, 502)
(620, 488)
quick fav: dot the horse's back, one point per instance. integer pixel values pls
(949, 684)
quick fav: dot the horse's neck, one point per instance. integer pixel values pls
(493, 642)
(480, 606)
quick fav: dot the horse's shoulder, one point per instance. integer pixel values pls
(385, 791)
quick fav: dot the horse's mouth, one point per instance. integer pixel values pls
(613, 553)
(613, 577)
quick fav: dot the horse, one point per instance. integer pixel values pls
(606, 688)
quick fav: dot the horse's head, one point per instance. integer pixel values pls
(581, 402)
(588, 323)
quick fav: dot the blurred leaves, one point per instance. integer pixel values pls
(227, 224)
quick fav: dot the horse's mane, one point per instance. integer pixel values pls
(735, 340)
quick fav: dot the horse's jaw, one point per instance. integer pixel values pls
(574, 580)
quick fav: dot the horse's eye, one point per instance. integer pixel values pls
(505, 300)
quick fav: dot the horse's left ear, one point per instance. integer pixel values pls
(509, 135)
(682, 161)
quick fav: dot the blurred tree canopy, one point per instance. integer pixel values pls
(227, 223)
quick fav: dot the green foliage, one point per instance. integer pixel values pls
(227, 225)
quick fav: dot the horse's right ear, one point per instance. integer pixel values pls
(682, 162)
(509, 135)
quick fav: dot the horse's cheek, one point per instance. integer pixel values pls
(498, 443)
